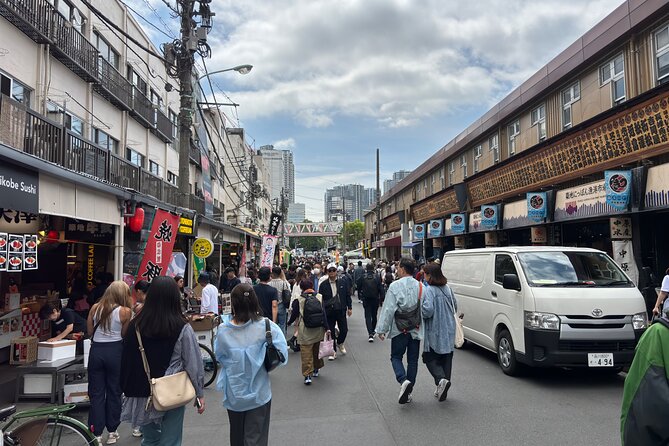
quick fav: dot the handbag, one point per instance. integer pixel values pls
(326, 346)
(459, 332)
(407, 320)
(286, 295)
(273, 357)
(167, 392)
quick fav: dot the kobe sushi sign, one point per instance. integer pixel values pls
(19, 188)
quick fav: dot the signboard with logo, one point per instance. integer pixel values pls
(268, 247)
(537, 209)
(419, 232)
(186, 226)
(19, 188)
(618, 184)
(458, 223)
(539, 235)
(587, 200)
(18, 221)
(436, 228)
(489, 216)
(475, 222)
(158, 250)
(623, 254)
(203, 247)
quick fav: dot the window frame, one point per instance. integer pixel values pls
(512, 136)
(539, 121)
(494, 148)
(97, 36)
(659, 52)
(478, 150)
(463, 165)
(614, 77)
(128, 157)
(159, 169)
(567, 105)
(112, 144)
(501, 256)
(451, 172)
(12, 83)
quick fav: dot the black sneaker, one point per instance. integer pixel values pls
(371, 338)
(315, 374)
(405, 391)
(307, 380)
(442, 389)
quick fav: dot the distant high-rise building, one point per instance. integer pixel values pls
(346, 202)
(397, 177)
(281, 171)
(296, 213)
(368, 199)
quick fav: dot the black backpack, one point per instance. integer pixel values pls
(409, 319)
(370, 289)
(312, 314)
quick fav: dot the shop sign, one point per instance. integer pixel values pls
(623, 255)
(436, 228)
(618, 184)
(202, 248)
(441, 204)
(393, 223)
(539, 234)
(90, 265)
(18, 221)
(186, 226)
(19, 188)
(268, 246)
(18, 252)
(274, 223)
(491, 239)
(475, 222)
(459, 242)
(621, 228)
(515, 215)
(419, 232)
(588, 200)
(657, 187)
(158, 250)
(537, 209)
(489, 216)
(90, 231)
(458, 223)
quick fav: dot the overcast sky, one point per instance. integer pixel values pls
(334, 80)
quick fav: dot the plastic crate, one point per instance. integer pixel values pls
(24, 350)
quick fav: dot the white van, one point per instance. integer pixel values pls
(547, 306)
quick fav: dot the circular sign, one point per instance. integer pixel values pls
(419, 228)
(618, 183)
(488, 212)
(202, 248)
(457, 219)
(536, 201)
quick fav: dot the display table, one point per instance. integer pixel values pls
(45, 370)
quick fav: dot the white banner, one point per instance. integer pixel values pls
(268, 246)
(624, 257)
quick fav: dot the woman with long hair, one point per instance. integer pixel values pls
(141, 288)
(438, 309)
(170, 347)
(107, 323)
(240, 349)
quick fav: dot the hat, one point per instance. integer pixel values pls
(437, 261)
(331, 266)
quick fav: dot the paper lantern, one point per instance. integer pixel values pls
(136, 222)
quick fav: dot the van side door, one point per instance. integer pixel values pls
(507, 305)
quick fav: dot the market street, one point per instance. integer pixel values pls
(354, 402)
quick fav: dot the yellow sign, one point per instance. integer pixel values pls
(186, 226)
(203, 247)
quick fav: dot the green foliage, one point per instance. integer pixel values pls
(352, 233)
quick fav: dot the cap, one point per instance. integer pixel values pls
(332, 267)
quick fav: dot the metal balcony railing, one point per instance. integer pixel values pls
(74, 50)
(171, 194)
(195, 155)
(151, 185)
(142, 109)
(113, 86)
(33, 17)
(123, 173)
(85, 157)
(164, 127)
(197, 204)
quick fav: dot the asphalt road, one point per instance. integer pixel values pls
(354, 402)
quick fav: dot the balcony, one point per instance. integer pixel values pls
(74, 50)
(85, 157)
(171, 194)
(113, 86)
(142, 109)
(164, 127)
(197, 204)
(123, 173)
(151, 185)
(195, 155)
(33, 17)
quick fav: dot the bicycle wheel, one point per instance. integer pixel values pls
(62, 431)
(209, 363)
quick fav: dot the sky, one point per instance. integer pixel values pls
(335, 80)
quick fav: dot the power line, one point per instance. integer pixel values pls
(150, 23)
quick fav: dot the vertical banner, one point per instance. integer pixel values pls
(419, 232)
(158, 251)
(268, 246)
(436, 228)
(621, 228)
(618, 185)
(458, 223)
(489, 216)
(624, 257)
(537, 210)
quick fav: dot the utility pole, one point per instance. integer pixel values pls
(378, 201)
(283, 217)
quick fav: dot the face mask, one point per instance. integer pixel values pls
(317, 271)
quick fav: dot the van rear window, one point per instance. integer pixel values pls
(569, 268)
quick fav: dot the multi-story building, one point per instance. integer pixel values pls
(576, 155)
(282, 173)
(344, 202)
(296, 213)
(397, 177)
(368, 199)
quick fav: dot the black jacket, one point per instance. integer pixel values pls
(379, 286)
(343, 290)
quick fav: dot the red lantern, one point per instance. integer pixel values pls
(137, 221)
(53, 236)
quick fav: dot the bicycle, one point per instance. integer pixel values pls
(45, 426)
(207, 353)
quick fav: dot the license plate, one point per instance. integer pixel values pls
(600, 359)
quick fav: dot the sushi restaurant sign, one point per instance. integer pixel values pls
(19, 188)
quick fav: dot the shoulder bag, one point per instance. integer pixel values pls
(273, 357)
(286, 295)
(407, 320)
(459, 332)
(167, 392)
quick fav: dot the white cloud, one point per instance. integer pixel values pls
(284, 144)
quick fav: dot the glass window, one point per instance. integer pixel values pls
(614, 72)
(662, 54)
(570, 95)
(104, 140)
(493, 146)
(514, 131)
(451, 172)
(134, 157)
(155, 168)
(503, 265)
(173, 117)
(539, 119)
(172, 178)
(20, 93)
(106, 51)
(463, 164)
(477, 156)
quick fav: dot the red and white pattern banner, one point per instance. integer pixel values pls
(158, 251)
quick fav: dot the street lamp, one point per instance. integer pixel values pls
(241, 69)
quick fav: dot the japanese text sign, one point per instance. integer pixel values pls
(267, 253)
(537, 210)
(158, 251)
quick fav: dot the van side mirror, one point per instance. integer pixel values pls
(511, 282)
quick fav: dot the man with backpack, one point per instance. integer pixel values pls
(358, 273)
(401, 320)
(370, 290)
(336, 292)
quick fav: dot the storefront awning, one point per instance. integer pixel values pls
(255, 234)
(395, 241)
(411, 244)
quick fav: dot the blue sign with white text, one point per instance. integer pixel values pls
(489, 214)
(458, 223)
(618, 185)
(419, 232)
(537, 210)
(436, 228)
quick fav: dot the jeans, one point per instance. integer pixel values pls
(104, 386)
(281, 318)
(371, 309)
(398, 346)
(250, 428)
(439, 365)
(338, 318)
(168, 432)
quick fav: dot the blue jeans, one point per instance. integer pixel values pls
(104, 386)
(400, 344)
(281, 317)
(166, 433)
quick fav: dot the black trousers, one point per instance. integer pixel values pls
(250, 428)
(371, 309)
(439, 365)
(338, 318)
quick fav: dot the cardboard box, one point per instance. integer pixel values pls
(202, 324)
(23, 350)
(33, 384)
(75, 393)
(53, 351)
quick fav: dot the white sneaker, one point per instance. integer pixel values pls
(405, 391)
(113, 437)
(342, 349)
(442, 389)
(99, 440)
(436, 392)
(371, 339)
(136, 432)
(333, 357)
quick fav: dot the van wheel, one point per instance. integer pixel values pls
(506, 354)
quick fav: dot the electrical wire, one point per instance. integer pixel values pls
(150, 23)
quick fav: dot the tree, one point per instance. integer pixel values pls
(354, 231)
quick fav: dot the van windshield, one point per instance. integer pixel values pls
(571, 269)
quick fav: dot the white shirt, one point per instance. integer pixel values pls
(209, 300)
(665, 288)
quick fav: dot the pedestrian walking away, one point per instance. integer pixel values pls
(336, 292)
(402, 305)
(107, 321)
(170, 347)
(312, 323)
(662, 304)
(268, 297)
(244, 382)
(358, 273)
(371, 291)
(438, 308)
(285, 293)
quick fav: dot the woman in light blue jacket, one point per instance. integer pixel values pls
(240, 349)
(438, 309)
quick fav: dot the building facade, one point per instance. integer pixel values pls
(282, 173)
(392, 182)
(296, 213)
(346, 202)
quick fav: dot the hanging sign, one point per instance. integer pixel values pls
(419, 232)
(618, 184)
(274, 224)
(458, 223)
(268, 246)
(158, 251)
(489, 214)
(202, 248)
(623, 255)
(621, 228)
(537, 211)
(436, 228)
(19, 188)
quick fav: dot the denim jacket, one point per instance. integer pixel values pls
(402, 295)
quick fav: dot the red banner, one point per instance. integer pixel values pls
(158, 251)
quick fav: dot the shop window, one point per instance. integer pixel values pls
(662, 54)
(477, 156)
(493, 146)
(134, 157)
(538, 117)
(514, 133)
(104, 140)
(106, 50)
(15, 89)
(613, 73)
(570, 95)
(155, 168)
